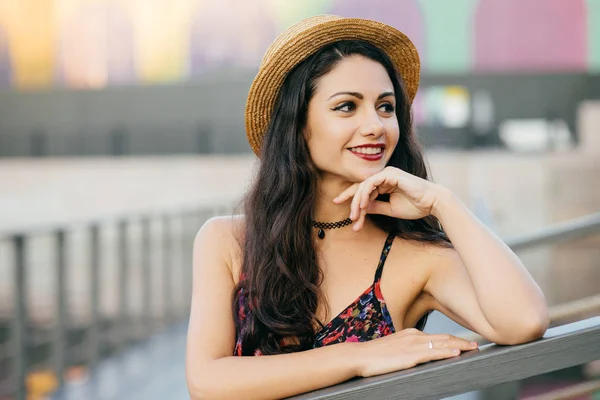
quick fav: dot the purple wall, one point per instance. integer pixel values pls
(96, 36)
(404, 15)
(239, 40)
(121, 54)
(519, 35)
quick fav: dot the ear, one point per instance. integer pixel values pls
(306, 134)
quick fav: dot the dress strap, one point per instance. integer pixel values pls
(384, 253)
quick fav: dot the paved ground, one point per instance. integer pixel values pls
(152, 370)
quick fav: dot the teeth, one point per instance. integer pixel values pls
(366, 150)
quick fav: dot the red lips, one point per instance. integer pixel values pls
(372, 156)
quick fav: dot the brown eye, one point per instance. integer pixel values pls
(346, 107)
(388, 108)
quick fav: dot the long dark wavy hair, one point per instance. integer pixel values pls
(280, 273)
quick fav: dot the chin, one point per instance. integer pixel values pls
(364, 173)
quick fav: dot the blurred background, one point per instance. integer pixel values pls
(122, 131)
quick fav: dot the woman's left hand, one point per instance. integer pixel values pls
(410, 196)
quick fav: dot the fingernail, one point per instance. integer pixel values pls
(474, 344)
(456, 351)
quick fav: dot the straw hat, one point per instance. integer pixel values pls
(302, 40)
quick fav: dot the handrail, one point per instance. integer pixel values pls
(224, 205)
(560, 312)
(173, 240)
(561, 347)
(557, 233)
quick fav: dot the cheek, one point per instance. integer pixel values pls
(322, 149)
(393, 133)
(329, 138)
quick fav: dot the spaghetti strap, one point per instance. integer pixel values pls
(384, 254)
(366, 318)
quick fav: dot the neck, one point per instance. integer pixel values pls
(325, 209)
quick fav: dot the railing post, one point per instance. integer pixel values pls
(60, 330)
(188, 248)
(167, 262)
(19, 331)
(147, 277)
(94, 338)
(123, 260)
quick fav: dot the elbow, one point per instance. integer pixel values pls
(527, 331)
(207, 386)
(197, 390)
(196, 394)
(202, 390)
(200, 386)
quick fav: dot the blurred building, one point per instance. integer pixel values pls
(120, 77)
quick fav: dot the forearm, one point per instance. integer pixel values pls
(274, 377)
(508, 296)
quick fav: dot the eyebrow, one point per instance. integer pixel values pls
(359, 95)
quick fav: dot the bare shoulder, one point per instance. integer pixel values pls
(423, 260)
(434, 263)
(422, 254)
(221, 237)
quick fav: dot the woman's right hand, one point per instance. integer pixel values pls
(405, 349)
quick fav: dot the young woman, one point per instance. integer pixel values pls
(344, 246)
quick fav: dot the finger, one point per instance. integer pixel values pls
(379, 207)
(346, 194)
(365, 210)
(446, 337)
(437, 354)
(460, 344)
(373, 195)
(355, 205)
(368, 191)
(361, 219)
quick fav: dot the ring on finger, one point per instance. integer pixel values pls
(430, 344)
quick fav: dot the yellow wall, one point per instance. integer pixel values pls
(162, 37)
(30, 28)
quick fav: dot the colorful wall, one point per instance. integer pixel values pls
(99, 43)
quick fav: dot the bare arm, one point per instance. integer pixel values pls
(212, 372)
(482, 284)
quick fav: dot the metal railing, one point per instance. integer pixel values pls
(163, 242)
(166, 251)
(557, 233)
(491, 365)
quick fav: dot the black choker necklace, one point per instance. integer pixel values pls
(330, 225)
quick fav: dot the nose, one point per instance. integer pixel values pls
(372, 125)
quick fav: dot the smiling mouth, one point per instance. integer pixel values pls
(370, 153)
(367, 150)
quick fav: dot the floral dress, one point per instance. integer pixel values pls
(366, 318)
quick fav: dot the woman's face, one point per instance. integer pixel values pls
(352, 128)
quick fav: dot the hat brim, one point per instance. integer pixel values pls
(303, 40)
